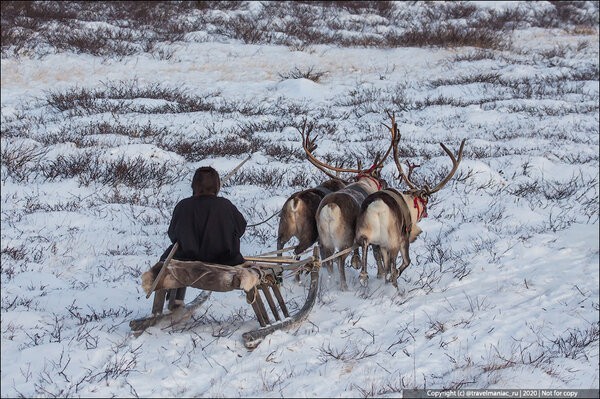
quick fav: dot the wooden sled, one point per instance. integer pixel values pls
(258, 277)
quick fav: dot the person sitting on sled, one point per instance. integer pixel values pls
(207, 227)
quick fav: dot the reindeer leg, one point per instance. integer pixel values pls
(405, 258)
(281, 240)
(364, 276)
(392, 256)
(385, 263)
(381, 272)
(303, 244)
(355, 260)
(325, 253)
(341, 261)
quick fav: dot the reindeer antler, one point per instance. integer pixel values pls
(394, 130)
(411, 168)
(309, 145)
(455, 162)
(379, 160)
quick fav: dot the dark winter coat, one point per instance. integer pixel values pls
(208, 228)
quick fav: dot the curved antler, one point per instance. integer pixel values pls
(378, 164)
(310, 145)
(396, 136)
(455, 161)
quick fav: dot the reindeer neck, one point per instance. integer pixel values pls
(369, 184)
(322, 191)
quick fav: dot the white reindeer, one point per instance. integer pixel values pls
(388, 218)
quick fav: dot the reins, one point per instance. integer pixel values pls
(264, 221)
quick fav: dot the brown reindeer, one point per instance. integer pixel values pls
(337, 212)
(388, 218)
(297, 216)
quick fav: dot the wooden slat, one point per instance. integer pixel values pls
(253, 338)
(261, 307)
(159, 301)
(277, 293)
(251, 299)
(265, 289)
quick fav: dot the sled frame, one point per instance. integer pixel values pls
(268, 287)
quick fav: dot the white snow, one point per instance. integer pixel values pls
(502, 290)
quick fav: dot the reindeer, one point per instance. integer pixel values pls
(388, 218)
(297, 216)
(337, 212)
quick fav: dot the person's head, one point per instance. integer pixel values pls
(206, 181)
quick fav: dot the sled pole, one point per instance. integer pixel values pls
(163, 269)
(268, 259)
(338, 254)
(234, 170)
(277, 252)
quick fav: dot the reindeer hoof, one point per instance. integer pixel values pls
(364, 279)
(355, 262)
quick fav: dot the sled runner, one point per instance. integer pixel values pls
(176, 315)
(258, 277)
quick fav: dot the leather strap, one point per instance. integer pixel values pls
(357, 187)
(404, 209)
(356, 192)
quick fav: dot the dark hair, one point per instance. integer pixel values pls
(206, 181)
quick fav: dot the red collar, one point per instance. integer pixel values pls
(421, 213)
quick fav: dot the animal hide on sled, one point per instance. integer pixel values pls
(205, 276)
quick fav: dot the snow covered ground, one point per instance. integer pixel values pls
(502, 291)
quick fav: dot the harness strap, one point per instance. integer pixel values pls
(421, 212)
(404, 210)
(340, 253)
(359, 190)
(416, 205)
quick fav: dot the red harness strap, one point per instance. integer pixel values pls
(377, 182)
(420, 212)
(368, 174)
